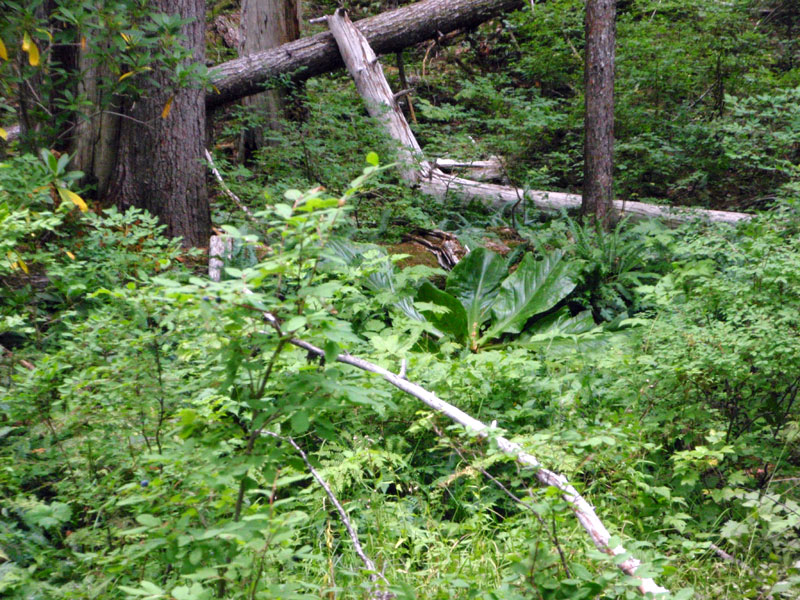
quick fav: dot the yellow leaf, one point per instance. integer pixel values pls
(125, 37)
(33, 56)
(3, 51)
(216, 89)
(22, 265)
(83, 42)
(3, 133)
(126, 75)
(70, 254)
(29, 46)
(67, 195)
(167, 108)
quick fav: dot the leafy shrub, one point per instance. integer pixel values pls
(720, 359)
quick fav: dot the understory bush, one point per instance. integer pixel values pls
(718, 386)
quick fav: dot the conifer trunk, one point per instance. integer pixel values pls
(159, 163)
(598, 181)
(266, 24)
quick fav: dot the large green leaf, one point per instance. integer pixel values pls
(381, 279)
(474, 281)
(561, 322)
(535, 287)
(560, 332)
(454, 321)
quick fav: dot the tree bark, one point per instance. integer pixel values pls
(598, 148)
(266, 24)
(159, 165)
(387, 32)
(94, 144)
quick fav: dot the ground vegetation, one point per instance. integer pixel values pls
(163, 434)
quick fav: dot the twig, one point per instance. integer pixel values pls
(401, 93)
(22, 361)
(515, 498)
(227, 190)
(375, 575)
(729, 557)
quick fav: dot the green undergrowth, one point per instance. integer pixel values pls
(145, 410)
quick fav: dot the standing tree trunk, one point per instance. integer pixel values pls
(159, 163)
(94, 143)
(266, 24)
(598, 149)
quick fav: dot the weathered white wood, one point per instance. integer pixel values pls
(439, 185)
(227, 191)
(366, 71)
(376, 593)
(363, 66)
(479, 170)
(583, 510)
(387, 32)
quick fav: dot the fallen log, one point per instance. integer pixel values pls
(479, 170)
(440, 185)
(370, 82)
(387, 32)
(363, 65)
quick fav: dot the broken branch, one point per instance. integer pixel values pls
(374, 575)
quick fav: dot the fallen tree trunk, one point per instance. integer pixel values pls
(387, 32)
(370, 82)
(439, 185)
(381, 104)
(479, 170)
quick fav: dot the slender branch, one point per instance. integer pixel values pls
(256, 431)
(161, 409)
(375, 575)
(730, 558)
(22, 361)
(226, 189)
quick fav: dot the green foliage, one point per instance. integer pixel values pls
(124, 41)
(691, 83)
(480, 284)
(714, 372)
(142, 405)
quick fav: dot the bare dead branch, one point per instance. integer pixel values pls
(376, 593)
(226, 189)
